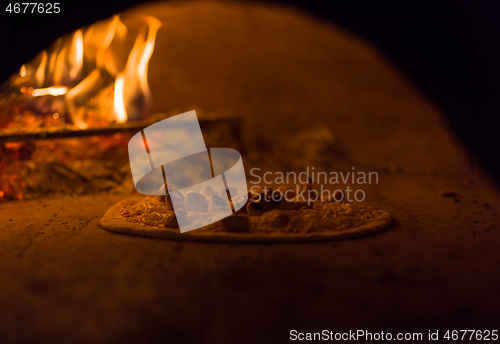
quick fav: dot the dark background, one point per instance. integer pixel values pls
(450, 49)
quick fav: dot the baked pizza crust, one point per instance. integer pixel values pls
(114, 224)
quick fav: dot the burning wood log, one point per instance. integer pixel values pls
(67, 131)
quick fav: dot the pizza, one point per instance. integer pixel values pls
(262, 219)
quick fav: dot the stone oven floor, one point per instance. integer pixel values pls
(65, 279)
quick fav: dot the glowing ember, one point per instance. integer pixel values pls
(49, 91)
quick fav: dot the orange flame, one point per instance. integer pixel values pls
(69, 62)
(53, 58)
(97, 39)
(119, 103)
(75, 56)
(40, 72)
(58, 71)
(103, 58)
(132, 95)
(78, 94)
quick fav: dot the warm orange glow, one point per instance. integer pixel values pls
(79, 94)
(22, 72)
(106, 41)
(69, 61)
(112, 58)
(75, 55)
(51, 66)
(97, 40)
(132, 94)
(59, 67)
(40, 72)
(154, 25)
(97, 51)
(49, 91)
(102, 58)
(119, 104)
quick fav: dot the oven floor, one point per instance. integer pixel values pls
(64, 278)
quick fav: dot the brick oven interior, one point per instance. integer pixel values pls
(409, 93)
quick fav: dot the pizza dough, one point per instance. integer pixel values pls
(260, 230)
